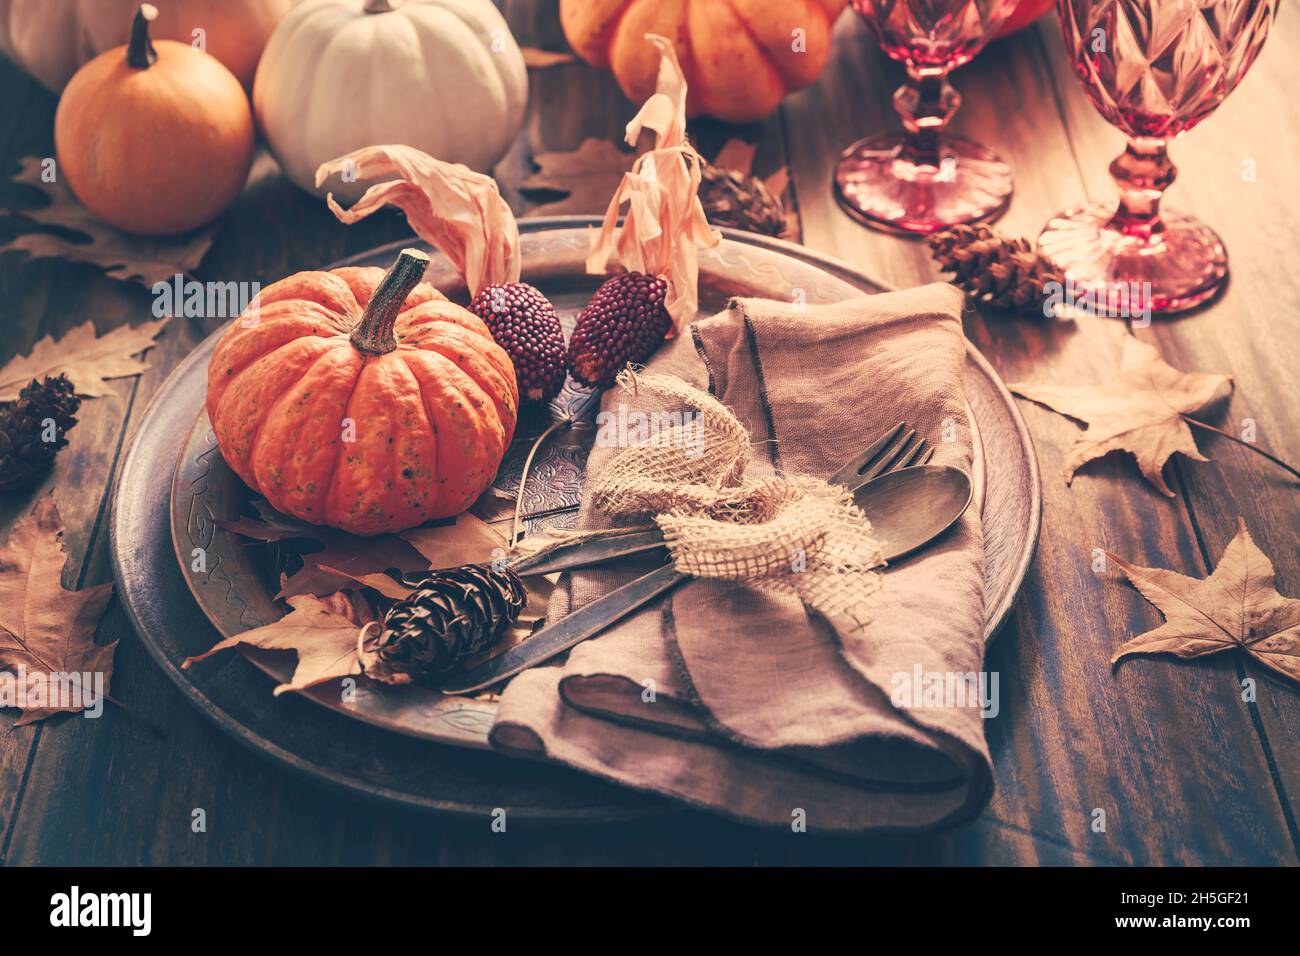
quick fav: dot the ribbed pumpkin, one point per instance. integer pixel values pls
(155, 139)
(363, 401)
(52, 39)
(740, 57)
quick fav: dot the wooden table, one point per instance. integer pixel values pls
(1185, 771)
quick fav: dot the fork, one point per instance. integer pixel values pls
(893, 451)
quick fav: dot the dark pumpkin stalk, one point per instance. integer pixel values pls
(140, 54)
(374, 333)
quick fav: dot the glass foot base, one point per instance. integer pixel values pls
(1126, 275)
(878, 186)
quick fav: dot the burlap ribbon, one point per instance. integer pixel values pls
(788, 534)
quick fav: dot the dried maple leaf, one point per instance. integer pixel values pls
(142, 259)
(1236, 606)
(87, 360)
(322, 632)
(1141, 413)
(45, 629)
(589, 175)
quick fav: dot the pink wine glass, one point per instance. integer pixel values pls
(921, 180)
(1153, 69)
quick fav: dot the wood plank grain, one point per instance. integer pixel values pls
(1233, 173)
(1167, 750)
(1173, 760)
(49, 297)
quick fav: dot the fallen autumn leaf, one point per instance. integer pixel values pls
(1237, 606)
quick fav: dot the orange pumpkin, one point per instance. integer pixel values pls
(154, 139)
(362, 401)
(51, 39)
(740, 57)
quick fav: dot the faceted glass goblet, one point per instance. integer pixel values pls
(921, 180)
(1153, 69)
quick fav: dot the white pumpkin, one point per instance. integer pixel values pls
(52, 39)
(444, 76)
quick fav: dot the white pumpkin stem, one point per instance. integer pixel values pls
(378, 6)
(374, 333)
(140, 54)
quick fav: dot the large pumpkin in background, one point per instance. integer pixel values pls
(51, 39)
(1026, 12)
(740, 57)
(362, 401)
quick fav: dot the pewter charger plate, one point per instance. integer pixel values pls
(237, 591)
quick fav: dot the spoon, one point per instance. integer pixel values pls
(911, 507)
(907, 508)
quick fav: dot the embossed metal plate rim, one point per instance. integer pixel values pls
(234, 601)
(352, 758)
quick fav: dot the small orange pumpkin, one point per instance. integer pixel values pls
(363, 401)
(740, 57)
(154, 139)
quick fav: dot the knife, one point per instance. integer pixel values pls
(567, 631)
(606, 547)
(601, 613)
(588, 551)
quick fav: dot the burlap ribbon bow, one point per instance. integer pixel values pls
(789, 534)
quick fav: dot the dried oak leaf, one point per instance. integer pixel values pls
(86, 359)
(1236, 606)
(1141, 413)
(468, 540)
(141, 259)
(589, 175)
(44, 628)
(322, 632)
(383, 583)
(343, 559)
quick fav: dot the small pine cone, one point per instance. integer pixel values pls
(741, 202)
(452, 614)
(1007, 273)
(33, 429)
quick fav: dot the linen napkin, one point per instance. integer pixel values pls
(743, 702)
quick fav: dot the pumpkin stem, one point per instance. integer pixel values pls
(374, 333)
(378, 6)
(140, 53)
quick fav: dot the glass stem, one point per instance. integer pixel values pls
(926, 102)
(1143, 172)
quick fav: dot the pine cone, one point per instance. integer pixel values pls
(741, 202)
(28, 443)
(1008, 273)
(452, 614)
